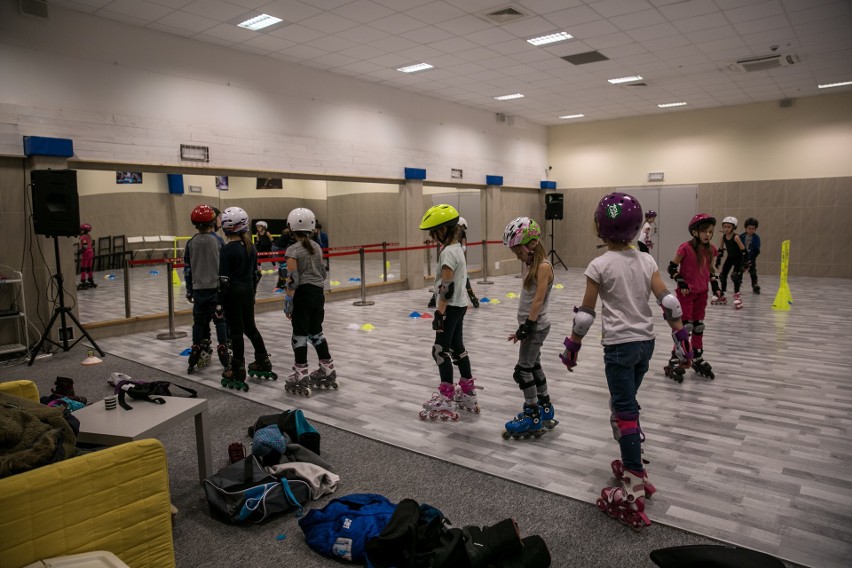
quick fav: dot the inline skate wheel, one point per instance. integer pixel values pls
(507, 435)
(224, 382)
(423, 415)
(306, 391)
(244, 386)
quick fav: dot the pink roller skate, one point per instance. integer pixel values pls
(738, 301)
(618, 473)
(466, 396)
(441, 405)
(627, 501)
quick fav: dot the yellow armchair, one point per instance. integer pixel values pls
(116, 499)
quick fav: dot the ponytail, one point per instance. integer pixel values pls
(539, 256)
(304, 238)
(246, 240)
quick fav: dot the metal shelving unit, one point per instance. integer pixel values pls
(12, 310)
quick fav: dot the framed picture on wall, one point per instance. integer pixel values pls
(270, 183)
(222, 183)
(128, 177)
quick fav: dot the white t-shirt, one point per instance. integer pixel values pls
(624, 279)
(647, 231)
(452, 256)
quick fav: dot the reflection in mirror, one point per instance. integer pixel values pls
(361, 213)
(148, 222)
(467, 202)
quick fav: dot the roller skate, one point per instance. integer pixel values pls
(441, 404)
(235, 377)
(206, 354)
(701, 366)
(548, 415)
(618, 473)
(627, 501)
(755, 289)
(82, 285)
(465, 396)
(525, 425)
(194, 357)
(674, 370)
(262, 369)
(738, 302)
(325, 377)
(90, 283)
(299, 381)
(720, 301)
(224, 355)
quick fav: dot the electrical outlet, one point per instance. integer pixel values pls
(497, 265)
(66, 334)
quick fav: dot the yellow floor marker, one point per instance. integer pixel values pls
(783, 298)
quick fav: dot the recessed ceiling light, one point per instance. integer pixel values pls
(669, 105)
(625, 79)
(567, 116)
(830, 85)
(259, 22)
(415, 68)
(551, 38)
(509, 97)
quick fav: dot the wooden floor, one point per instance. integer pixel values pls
(760, 457)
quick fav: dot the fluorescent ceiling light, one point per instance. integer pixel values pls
(669, 105)
(625, 79)
(567, 116)
(830, 85)
(414, 68)
(509, 97)
(551, 38)
(259, 22)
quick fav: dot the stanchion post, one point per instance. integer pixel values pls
(429, 261)
(172, 334)
(384, 261)
(363, 301)
(485, 279)
(126, 288)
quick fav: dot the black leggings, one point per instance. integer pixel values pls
(451, 345)
(239, 311)
(735, 263)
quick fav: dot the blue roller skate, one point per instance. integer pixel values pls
(525, 425)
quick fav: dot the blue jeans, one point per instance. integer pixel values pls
(625, 365)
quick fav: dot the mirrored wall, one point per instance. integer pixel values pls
(144, 218)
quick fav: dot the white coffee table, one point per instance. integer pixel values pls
(147, 420)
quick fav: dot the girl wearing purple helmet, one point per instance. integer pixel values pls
(624, 277)
(692, 269)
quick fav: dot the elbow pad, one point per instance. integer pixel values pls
(224, 282)
(293, 279)
(583, 320)
(446, 290)
(671, 306)
(673, 270)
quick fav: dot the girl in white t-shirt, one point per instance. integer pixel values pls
(624, 278)
(646, 241)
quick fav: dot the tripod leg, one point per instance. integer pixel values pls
(44, 337)
(86, 333)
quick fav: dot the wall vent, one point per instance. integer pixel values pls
(764, 62)
(504, 15)
(34, 8)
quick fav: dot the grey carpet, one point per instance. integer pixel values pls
(576, 533)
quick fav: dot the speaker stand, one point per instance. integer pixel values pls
(552, 253)
(62, 312)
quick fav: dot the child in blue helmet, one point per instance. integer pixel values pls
(623, 278)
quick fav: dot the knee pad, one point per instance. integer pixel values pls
(439, 355)
(316, 339)
(624, 424)
(538, 375)
(688, 325)
(698, 328)
(300, 341)
(457, 358)
(524, 377)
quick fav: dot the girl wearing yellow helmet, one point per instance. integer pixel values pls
(442, 222)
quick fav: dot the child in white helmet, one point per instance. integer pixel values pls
(523, 237)
(304, 305)
(731, 243)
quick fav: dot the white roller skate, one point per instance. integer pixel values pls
(299, 381)
(441, 405)
(325, 377)
(720, 301)
(738, 301)
(466, 396)
(627, 501)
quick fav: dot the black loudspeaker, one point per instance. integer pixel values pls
(56, 207)
(553, 206)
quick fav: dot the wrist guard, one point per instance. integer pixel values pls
(438, 322)
(525, 329)
(673, 273)
(569, 356)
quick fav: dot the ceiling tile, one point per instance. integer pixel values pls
(363, 34)
(397, 24)
(610, 8)
(641, 19)
(464, 25)
(138, 9)
(230, 32)
(435, 12)
(363, 11)
(530, 27)
(688, 9)
(328, 22)
(188, 22)
(653, 32)
(666, 43)
(289, 10)
(297, 33)
(302, 52)
(454, 45)
(334, 44)
(707, 21)
(362, 52)
(215, 9)
(490, 36)
(429, 34)
(268, 43)
(754, 12)
(393, 44)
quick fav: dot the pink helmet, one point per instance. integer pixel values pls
(85, 228)
(698, 219)
(618, 217)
